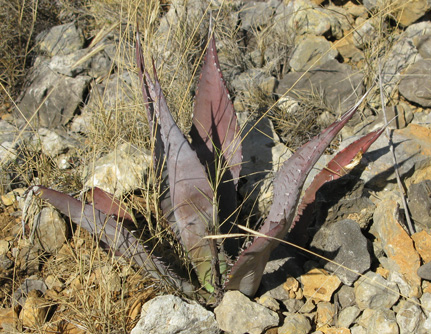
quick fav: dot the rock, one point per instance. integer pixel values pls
(50, 231)
(305, 17)
(60, 40)
(269, 303)
(344, 199)
(383, 322)
(426, 303)
(107, 278)
(256, 15)
(347, 316)
(8, 153)
(365, 32)
(20, 295)
(358, 330)
(402, 54)
(409, 317)
(5, 262)
(343, 243)
(397, 245)
(295, 324)
(34, 311)
(325, 314)
(345, 296)
(253, 79)
(52, 143)
(236, 314)
(423, 44)
(413, 151)
(171, 315)
(311, 51)
(332, 80)
(64, 64)
(55, 97)
(9, 320)
(7, 132)
(29, 259)
(422, 242)
(419, 201)
(374, 292)
(347, 49)
(413, 83)
(120, 171)
(319, 285)
(424, 271)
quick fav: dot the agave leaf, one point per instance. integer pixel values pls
(111, 233)
(108, 204)
(247, 272)
(215, 137)
(190, 192)
(158, 147)
(215, 127)
(343, 162)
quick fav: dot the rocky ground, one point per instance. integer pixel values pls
(79, 122)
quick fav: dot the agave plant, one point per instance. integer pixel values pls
(200, 197)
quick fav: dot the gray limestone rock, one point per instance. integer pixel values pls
(51, 99)
(236, 314)
(337, 83)
(311, 51)
(295, 323)
(370, 292)
(409, 317)
(119, 171)
(50, 230)
(60, 40)
(344, 243)
(419, 198)
(347, 316)
(383, 322)
(171, 315)
(414, 83)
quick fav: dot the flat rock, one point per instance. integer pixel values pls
(311, 51)
(55, 97)
(119, 171)
(295, 323)
(34, 311)
(332, 80)
(383, 322)
(50, 231)
(236, 314)
(319, 284)
(171, 315)
(422, 242)
(374, 292)
(414, 82)
(397, 245)
(409, 317)
(413, 151)
(344, 243)
(62, 39)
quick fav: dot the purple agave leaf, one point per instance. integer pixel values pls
(190, 192)
(216, 139)
(343, 162)
(108, 204)
(247, 272)
(111, 233)
(215, 127)
(158, 148)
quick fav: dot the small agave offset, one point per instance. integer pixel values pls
(202, 180)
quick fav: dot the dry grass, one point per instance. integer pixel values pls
(92, 300)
